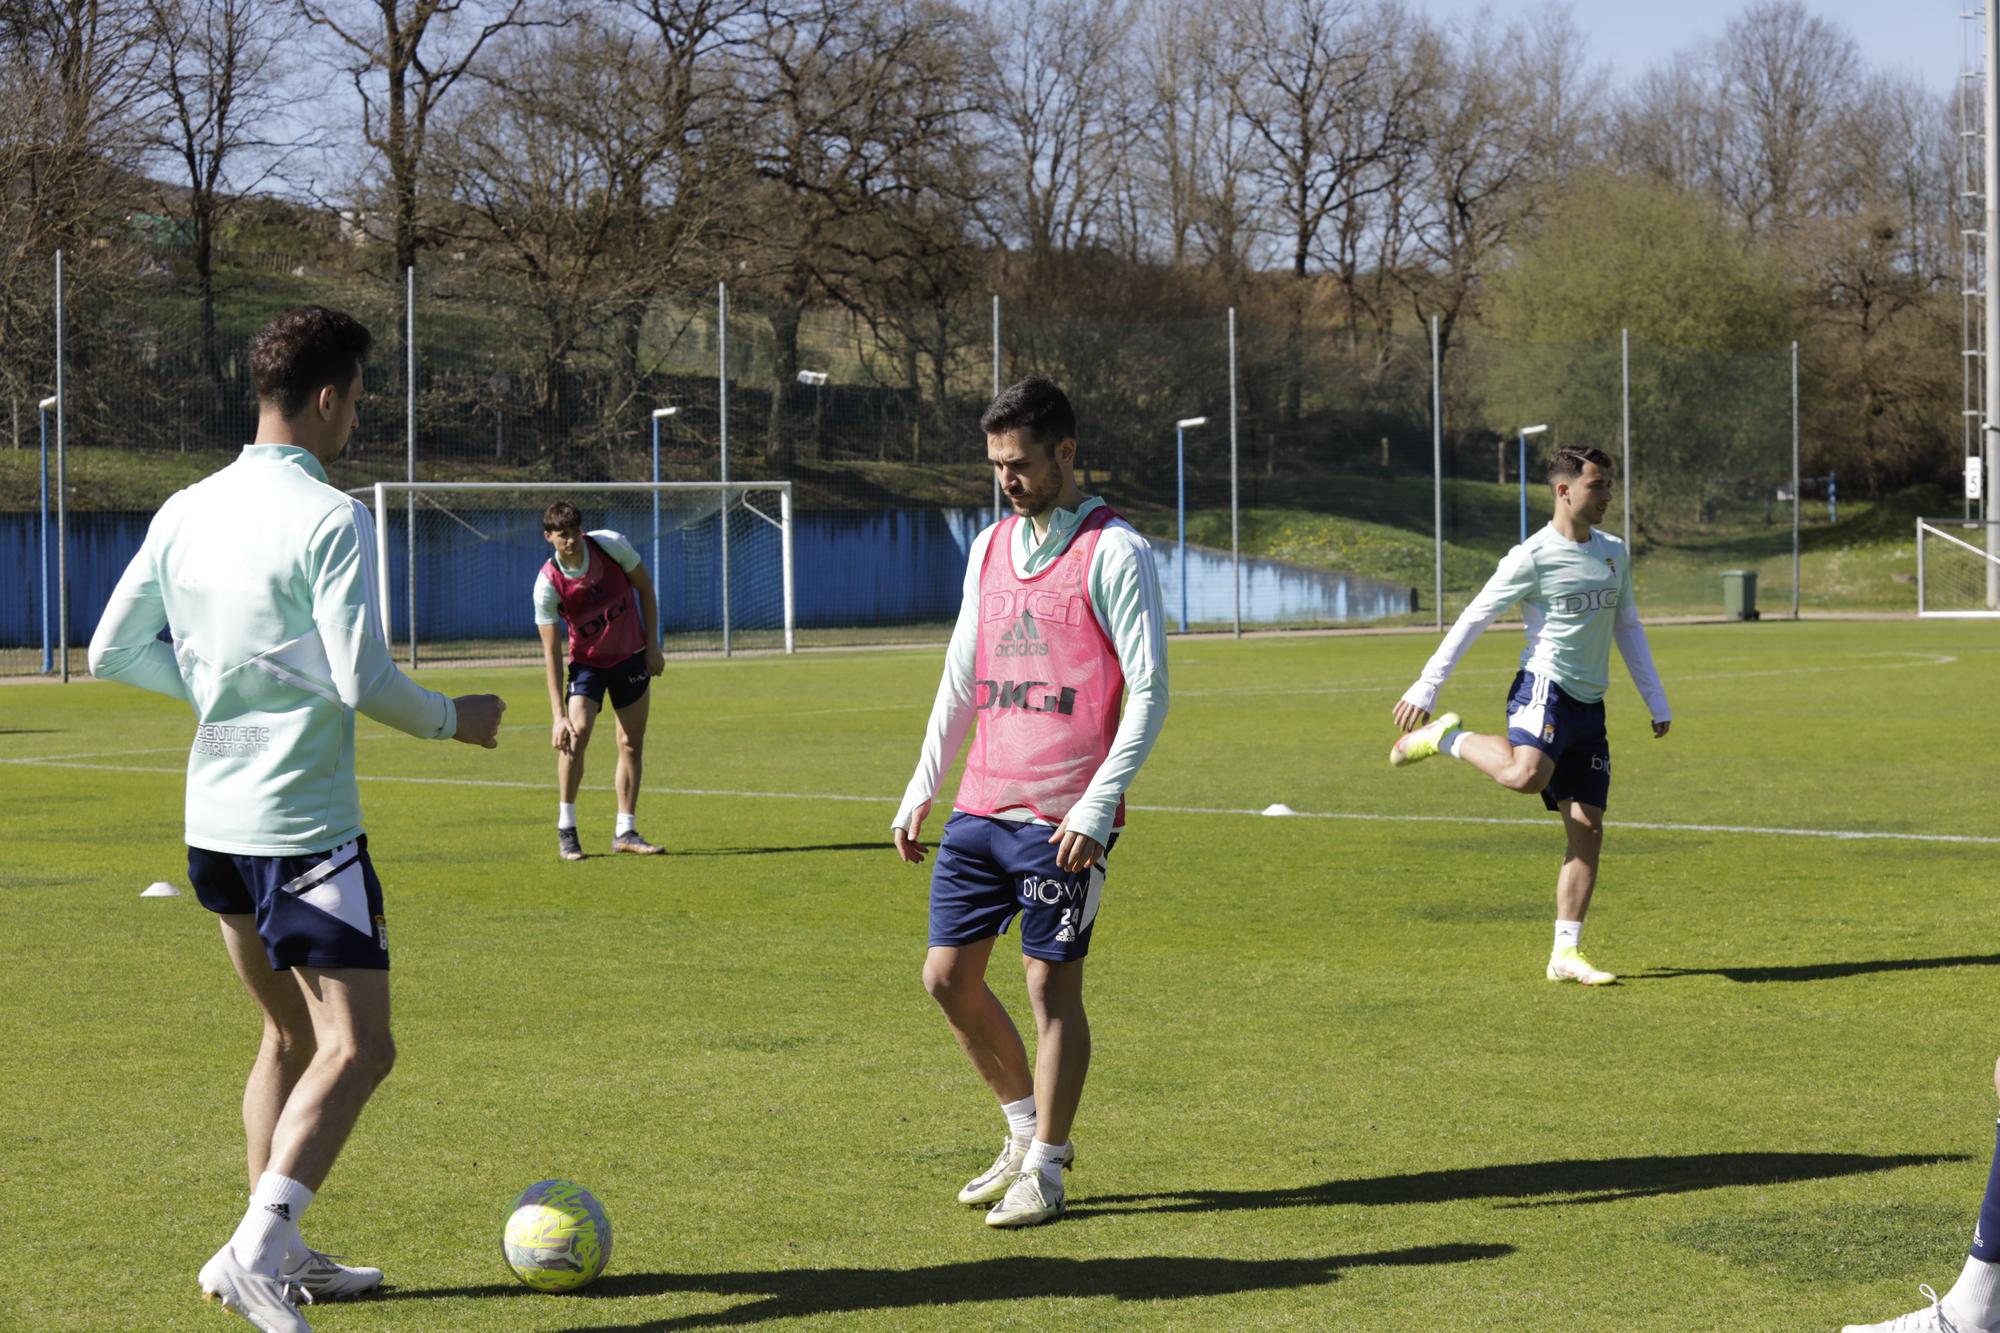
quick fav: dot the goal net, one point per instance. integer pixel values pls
(1956, 573)
(456, 562)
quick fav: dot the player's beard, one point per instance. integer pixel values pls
(1035, 501)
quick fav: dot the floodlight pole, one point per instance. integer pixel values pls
(659, 414)
(1180, 487)
(47, 406)
(1522, 468)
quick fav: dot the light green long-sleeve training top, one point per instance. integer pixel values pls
(266, 576)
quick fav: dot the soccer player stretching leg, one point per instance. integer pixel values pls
(598, 585)
(1061, 615)
(1574, 584)
(266, 575)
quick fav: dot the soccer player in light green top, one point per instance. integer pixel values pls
(265, 575)
(1574, 584)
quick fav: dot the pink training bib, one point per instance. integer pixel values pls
(1048, 683)
(599, 609)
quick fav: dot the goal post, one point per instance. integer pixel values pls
(1957, 575)
(455, 582)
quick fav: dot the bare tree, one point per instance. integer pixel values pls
(214, 83)
(405, 57)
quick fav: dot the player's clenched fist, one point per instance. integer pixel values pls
(479, 719)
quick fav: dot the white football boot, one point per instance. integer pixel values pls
(1029, 1201)
(267, 1301)
(321, 1276)
(990, 1185)
(1930, 1319)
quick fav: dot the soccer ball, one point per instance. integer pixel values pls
(557, 1236)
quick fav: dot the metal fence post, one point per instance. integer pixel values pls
(722, 375)
(1235, 538)
(62, 484)
(1437, 472)
(1795, 482)
(410, 457)
(1625, 426)
(996, 393)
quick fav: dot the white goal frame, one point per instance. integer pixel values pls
(733, 493)
(1934, 529)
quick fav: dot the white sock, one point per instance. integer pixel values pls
(565, 814)
(1045, 1158)
(1448, 743)
(1020, 1119)
(1569, 934)
(270, 1226)
(627, 823)
(1975, 1298)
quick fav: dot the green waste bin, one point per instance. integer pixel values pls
(1739, 594)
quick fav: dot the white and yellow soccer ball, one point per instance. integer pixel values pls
(558, 1237)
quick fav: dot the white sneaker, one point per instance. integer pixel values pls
(1030, 1201)
(1930, 1319)
(1569, 964)
(267, 1301)
(991, 1184)
(320, 1276)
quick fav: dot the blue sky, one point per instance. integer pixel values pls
(1919, 37)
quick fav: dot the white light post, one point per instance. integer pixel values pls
(816, 379)
(1522, 468)
(1181, 429)
(48, 405)
(659, 414)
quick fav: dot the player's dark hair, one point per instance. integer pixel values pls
(560, 516)
(1566, 463)
(1036, 408)
(302, 351)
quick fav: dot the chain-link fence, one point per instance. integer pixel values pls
(1288, 467)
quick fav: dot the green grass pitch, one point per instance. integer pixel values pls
(1331, 1089)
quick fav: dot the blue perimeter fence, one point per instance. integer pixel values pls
(852, 569)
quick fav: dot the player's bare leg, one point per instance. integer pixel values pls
(956, 978)
(1062, 1059)
(1520, 768)
(582, 713)
(1583, 827)
(287, 1046)
(297, 1114)
(631, 723)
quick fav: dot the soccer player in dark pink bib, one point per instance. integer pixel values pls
(1060, 622)
(597, 585)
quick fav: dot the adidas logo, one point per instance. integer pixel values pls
(1022, 639)
(281, 1211)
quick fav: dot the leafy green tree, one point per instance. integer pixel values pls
(1709, 317)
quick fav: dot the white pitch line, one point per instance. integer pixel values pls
(1354, 816)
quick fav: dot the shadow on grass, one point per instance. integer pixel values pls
(879, 845)
(1529, 1184)
(804, 1292)
(1818, 971)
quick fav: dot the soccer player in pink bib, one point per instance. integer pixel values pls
(1060, 620)
(597, 585)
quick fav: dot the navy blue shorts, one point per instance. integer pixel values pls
(626, 682)
(990, 870)
(1542, 714)
(321, 909)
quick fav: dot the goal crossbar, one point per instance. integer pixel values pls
(734, 495)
